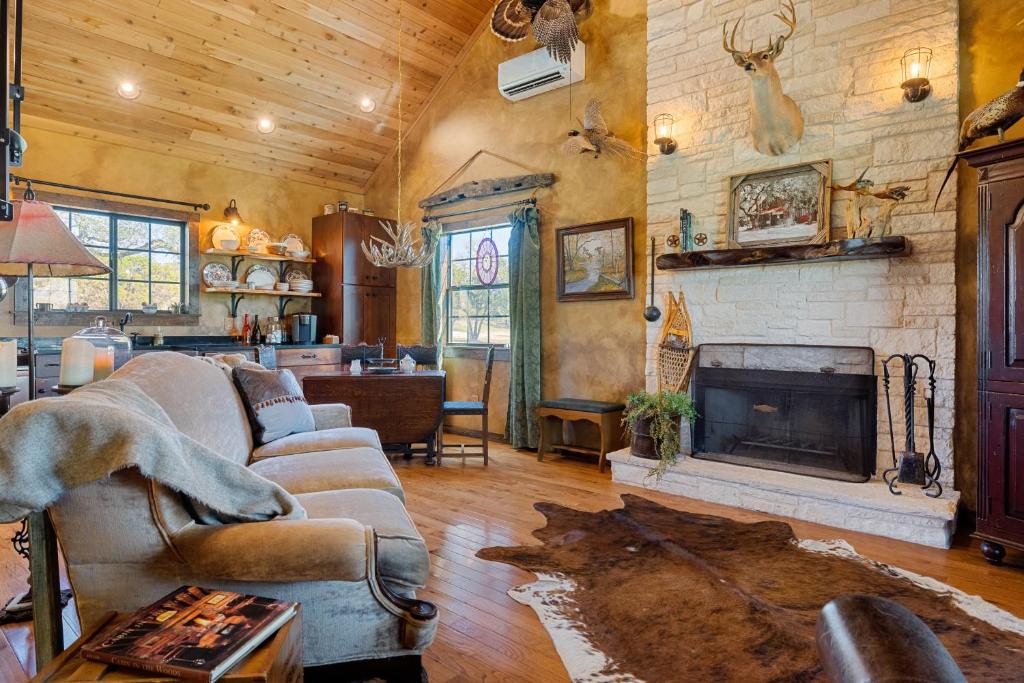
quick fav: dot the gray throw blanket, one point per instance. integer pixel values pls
(50, 446)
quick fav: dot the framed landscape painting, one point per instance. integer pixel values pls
(595, 261)
(783, 206)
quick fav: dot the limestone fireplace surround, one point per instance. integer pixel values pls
(838, 67)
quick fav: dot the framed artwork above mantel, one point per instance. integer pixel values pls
(789, 205)
(595, 261)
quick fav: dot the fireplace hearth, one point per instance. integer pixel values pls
(809, 410)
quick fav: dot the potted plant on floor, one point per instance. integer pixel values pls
(654, 422)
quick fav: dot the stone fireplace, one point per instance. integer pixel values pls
(808, 410)
(842, 68)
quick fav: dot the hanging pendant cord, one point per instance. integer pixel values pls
(401, 100)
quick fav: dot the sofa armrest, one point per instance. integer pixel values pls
(279, 551)
(331, 416)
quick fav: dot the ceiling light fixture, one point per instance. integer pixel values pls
(128, 90)
(367, 105)
(405, 249)
(265, 125)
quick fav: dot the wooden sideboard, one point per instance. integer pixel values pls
(1000, 347)
(358, 301)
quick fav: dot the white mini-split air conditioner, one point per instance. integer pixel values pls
(536, 72)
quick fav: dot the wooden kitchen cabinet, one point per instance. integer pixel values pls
(1000, 521)
(358, 298)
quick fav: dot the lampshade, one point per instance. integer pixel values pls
(38, 236)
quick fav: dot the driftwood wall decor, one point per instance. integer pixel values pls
(478, 189)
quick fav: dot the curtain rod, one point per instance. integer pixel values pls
(47, 183)
(522, 202)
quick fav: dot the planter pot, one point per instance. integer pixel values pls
(643, 445)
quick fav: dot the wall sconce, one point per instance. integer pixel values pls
(663, 125)
(917, 65)
(231, 214)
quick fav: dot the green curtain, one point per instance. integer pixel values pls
(524, 298)
(432, 292)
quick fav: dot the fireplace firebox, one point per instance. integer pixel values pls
(809, 410)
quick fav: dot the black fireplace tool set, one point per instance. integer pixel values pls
(909, 466)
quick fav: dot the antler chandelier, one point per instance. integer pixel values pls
(405, 250)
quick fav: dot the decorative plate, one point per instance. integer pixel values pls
(224, 231)
(257, 238)
(487, 262)
(216, 274)
(294, 274)
(294, 242)
(262, 276)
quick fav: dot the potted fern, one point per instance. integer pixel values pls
(654, 420)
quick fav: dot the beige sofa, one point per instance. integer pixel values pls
(354, 564)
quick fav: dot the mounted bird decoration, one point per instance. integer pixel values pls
(595, 137)
(994, 118)
(553, 22)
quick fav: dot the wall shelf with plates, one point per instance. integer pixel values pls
(257, 257)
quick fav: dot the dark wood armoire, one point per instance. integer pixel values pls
(358, 301)
(1000, 347)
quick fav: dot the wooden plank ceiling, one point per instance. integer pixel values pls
(208, 69)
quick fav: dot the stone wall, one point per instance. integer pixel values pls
(842, 67)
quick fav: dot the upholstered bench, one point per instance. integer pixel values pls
(552, 416)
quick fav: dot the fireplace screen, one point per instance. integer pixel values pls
(804, 409)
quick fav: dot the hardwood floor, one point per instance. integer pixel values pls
(484, 635)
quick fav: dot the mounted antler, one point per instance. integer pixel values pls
(775, 120)
(776, 45)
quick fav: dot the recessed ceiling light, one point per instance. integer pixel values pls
(368, 104)
(128, 90)
(265, 124)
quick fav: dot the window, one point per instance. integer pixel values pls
(147, 256)
(478, 313)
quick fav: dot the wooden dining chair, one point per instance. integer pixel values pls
(469, 408)
(425, 356)
(360, 352)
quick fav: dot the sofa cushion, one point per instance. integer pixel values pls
(349, 468)
(275, 403)
(402, 552)
(323, 440)
(198, 397)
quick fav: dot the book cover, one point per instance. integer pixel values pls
(192, 633)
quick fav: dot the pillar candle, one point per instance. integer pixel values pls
(8, 364)
(104, 364)
(76, 362)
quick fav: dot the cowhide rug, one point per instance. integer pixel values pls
(647, 593)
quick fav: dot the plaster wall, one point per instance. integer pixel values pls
(591, 349)
(842, 67)
(991, 59)
(277, 206)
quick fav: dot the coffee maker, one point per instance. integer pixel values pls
(303, 328)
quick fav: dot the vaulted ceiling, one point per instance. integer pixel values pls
(207, 70)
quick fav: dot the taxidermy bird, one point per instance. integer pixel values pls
(596, 139)
(994, 118)
(553, 22)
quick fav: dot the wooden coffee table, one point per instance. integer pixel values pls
(277, 660)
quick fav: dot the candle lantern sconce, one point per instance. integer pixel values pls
(917, 65)
(910, 466)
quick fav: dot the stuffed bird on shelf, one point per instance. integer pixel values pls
(994, 118)
(596, 138)
(553, 22)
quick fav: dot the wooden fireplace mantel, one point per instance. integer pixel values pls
(839, 250)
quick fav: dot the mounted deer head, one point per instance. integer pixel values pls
(775, 120)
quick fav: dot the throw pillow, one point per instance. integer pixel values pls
(274, 401)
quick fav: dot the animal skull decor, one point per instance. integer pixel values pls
(775, 120)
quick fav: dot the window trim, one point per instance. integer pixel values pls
(450, 262)
(190, 264)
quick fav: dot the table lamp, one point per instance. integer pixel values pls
(36, 242)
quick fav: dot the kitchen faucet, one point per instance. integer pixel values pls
(126, 320)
